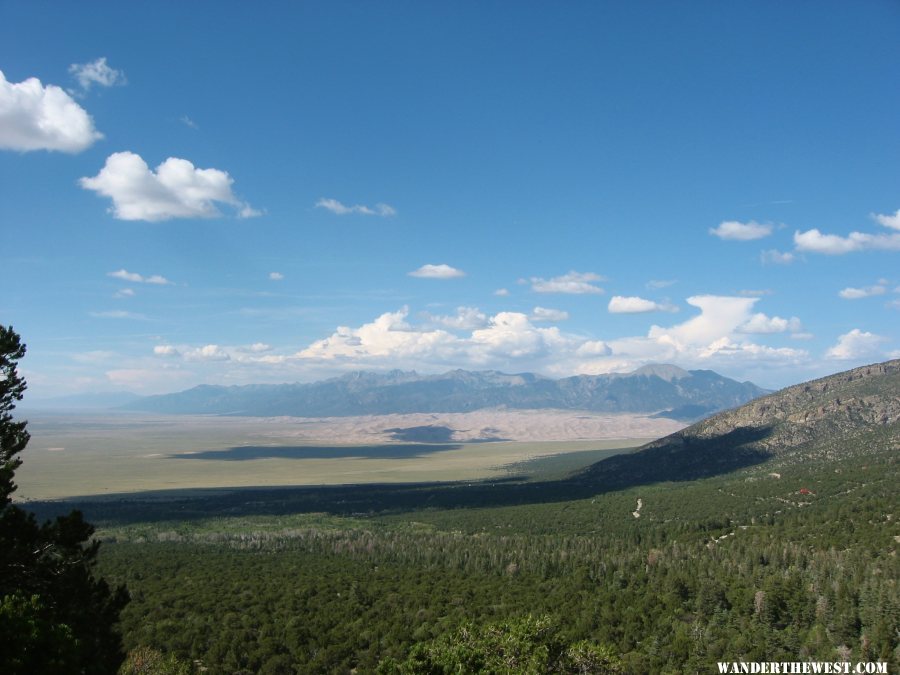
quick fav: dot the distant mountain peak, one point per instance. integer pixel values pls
(664, 389)
(664, 371)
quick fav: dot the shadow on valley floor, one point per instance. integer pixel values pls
(678, 460)
(247, 452)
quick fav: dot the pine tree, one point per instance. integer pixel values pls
(55, 615)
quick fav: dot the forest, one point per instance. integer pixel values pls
(770, 562)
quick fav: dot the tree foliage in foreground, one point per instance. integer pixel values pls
(529, 645)
(55, 615)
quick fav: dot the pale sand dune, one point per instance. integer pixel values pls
(512, 425)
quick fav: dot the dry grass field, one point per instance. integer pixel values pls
(89, 454)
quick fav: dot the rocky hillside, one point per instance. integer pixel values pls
(838, 406)
(854, 413)
(664, 389)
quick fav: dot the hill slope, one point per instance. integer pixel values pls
(856, 412)
(684, 394)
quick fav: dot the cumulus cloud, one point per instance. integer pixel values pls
(720, 316)
(737, 231)
(501, 292)
(857, 344)
(576, 283)
(891, 220)
(814, 241)
(850, 293)
(776, 257)
(546, 314)
(177, 189)
(35, 117)
(441, 271)
(714, 338)
(97, 73)
(207, 353)
(333, 205)
(276, 276)
(466, 318)
(620, 304)
(134, 277)
(759, 323)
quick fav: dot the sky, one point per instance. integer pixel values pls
(232, 192)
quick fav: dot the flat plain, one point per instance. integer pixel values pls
(110, 454)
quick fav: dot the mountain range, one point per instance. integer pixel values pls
(663, 389)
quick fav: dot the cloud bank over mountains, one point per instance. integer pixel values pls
(722, 335)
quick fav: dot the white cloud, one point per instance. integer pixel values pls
(734, 230)
(333, 205)
(511, 340)
(856, 344)
(97, 72)
(35, 117)
(134, 277)
(276, 276)
(850, 293)
(755, 292)
(124, 293)
(176, 189)
(466, 318)
(655, 284)
(593, 349)
(759, 323)
(188, 122)
(576, 283)
(620, 304)
(501, 292)
(891, 220)
(207, 353)
(720, 316)
(118, 314)
(437, 272)
(247, 211)
(814, 241)
(546, 314)
(776, 257)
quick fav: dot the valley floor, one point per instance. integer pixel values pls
(81, 455)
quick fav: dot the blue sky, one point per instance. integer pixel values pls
(231, 193)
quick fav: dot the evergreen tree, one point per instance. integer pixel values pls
(55, 615)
